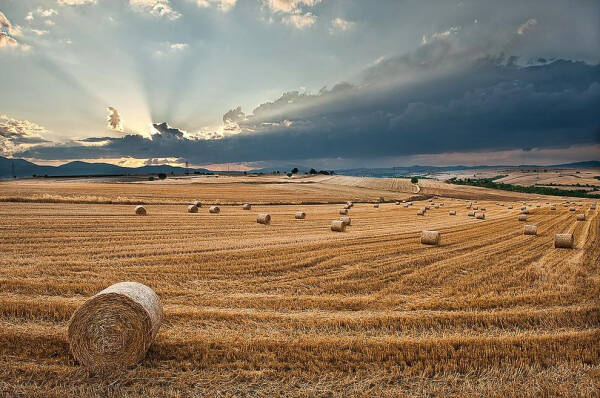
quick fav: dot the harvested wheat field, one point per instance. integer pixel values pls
(292, 308)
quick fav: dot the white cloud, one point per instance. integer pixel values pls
(223, 5)
(46, 13)
(29, 16)
(7, 33)
(17, 135)
(75, 2)
(300, 21)
(157, 8)
(178, 46)
(40, 32)
(296, 13)
(49, 22)
(527, 26)
(340, 25)
(169, 48)
(440, 35)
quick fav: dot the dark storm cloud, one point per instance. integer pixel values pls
(441, 98)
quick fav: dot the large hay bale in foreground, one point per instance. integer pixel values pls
(430, 237)
(564, 241)
(114, 328)
(338, 226)
(214, 209)
(346, 220)
(343, 212)
(480, 216)
(581, 217)
(247, 206)
(263, 218)
(530, 230)
(300, 215)
(192, 209)
(140, 211)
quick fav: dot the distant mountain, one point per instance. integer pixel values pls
(23, 168)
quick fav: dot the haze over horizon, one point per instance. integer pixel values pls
(330, 84)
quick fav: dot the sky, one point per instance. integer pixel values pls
(321, 83)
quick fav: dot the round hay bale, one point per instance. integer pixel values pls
(436, 206)
(214, 209)
(564, 241)
(263, 218)
(376, 205)
(452, 213)
(192, 209)
(420, 212)
(475, 207)
(581, 217)
(140, 210)
(338, 226)
(480, 216)
(347, 207)
(114, 328)
(482, 209)
(343, 212)
(510, 207)
(406, 205)
(552, 207)
(397, 202)
(538, 205)
(349, 204)
(346, 220)
(197, 203)
(471, 214)
(300, 215)
(522, 217)
(430, 237)
(427, 208)
(523, 208)
(247, 206)
(525, 211)
(572, 208)
(530, 230)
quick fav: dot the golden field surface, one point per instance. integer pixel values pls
(293, 309)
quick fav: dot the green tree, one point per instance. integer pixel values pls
(414, 180)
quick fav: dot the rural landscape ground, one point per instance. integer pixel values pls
(294, 309)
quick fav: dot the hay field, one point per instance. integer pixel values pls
(293, 309)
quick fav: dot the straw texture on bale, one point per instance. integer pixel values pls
(114, 329)
(214, 209)
(530, 230)
(480, 216)
(300, 215)
(192, 209)
(140, 211)
(564, 241)
(581, 217)
(471, 214)
(344, 212)
(430, 237)
(452, 212)
(338, 226)
(247, 206)
(263, 218)
(346, 220)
